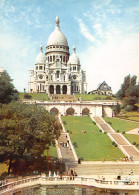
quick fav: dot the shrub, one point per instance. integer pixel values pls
(123, 132)
(113, 142)
(115, 145)
(75, 144)
(134, 143)
(94, 122)
(117, 130)
(68, 131)
(64, 122)
(27, 96)
(105, 132)
(100, 130)
(108, 98)
(109, 122)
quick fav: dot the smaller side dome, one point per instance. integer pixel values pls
(74, 58)
(40, 59)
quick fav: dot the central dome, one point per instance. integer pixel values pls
(57, 37)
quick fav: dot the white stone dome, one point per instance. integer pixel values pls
(57, 37)
(74, 58)
(40, 59)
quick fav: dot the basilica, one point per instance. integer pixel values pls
(56, 71)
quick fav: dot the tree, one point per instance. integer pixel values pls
(129, 93)
(7, 89)
(25, 130)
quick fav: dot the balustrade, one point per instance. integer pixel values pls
(74, 180)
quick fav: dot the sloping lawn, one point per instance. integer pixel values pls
(92, 145)
(121, 125)
(91, 97)
(36, 96)
(133, 138)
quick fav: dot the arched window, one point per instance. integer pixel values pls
(51, 77)
(54, 111)
(50, 58)
(53, 58)
(63, 58)
(85, 111)
(70, 111)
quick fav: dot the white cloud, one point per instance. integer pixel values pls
(84, 30)
(112, 61)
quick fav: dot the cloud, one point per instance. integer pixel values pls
(112, 60)
(85, 32)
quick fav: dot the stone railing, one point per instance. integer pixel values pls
(6, 187)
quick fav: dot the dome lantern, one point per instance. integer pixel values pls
(57, 37)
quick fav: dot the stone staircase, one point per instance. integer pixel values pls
(63, 97)
(66, 152)
(105, 168)
(122, 142)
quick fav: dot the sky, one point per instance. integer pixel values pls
(105, 33)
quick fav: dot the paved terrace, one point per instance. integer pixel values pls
(42, 180)
(127, 148)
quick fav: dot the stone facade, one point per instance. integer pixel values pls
(56, 72)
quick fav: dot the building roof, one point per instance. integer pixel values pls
(57, 37)
(104, 86)
(74, 58)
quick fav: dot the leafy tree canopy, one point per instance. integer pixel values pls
(7, 89)
(129, 92)
(25, 130)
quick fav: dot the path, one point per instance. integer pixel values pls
(67, 153)
(126, 147)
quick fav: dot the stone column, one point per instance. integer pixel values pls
(61, 89)
(54, 89)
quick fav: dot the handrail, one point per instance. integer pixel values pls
(67, 179)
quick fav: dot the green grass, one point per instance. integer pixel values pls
(91, 97)
(36, 96)
(133, 138)
(92, 145)
(134, 116)
(121, 125)
(51, 152)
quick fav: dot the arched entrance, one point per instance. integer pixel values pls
(55, 111)
(64, 88)
(85, 111)
(70, 111)
(58, 89)
(51, 89)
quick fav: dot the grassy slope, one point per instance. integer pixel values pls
(124, 125)
(90, 97)
(133, 138)
(91, 146)
(36, 96)
(121, 125)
